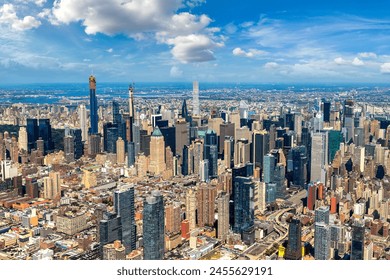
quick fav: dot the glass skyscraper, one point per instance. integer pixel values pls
(93, 106)
(294, 247)
(357, 245)
(153, 227)
(211, 152)
(124, 207)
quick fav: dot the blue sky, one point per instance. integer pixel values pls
(257, 41)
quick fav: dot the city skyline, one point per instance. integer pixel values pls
(170, 41)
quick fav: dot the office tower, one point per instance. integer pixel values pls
(120, 151)
(223, 216)
(211, 152)
(154, 118)
(326, 111)
(93, 106)
(294, 247)
(359, 158)
(244, 208)
(83, 122)
(226, 129)
(242, 152)
(191, 208)
(195, 99)
(182, 136)
(228, 152)
(110, 229)
(185, 162)
(279, 180)
(136, 138)
(184, 112)
(357, 244)
(311, 196)
(52, 186)
(206, 204)
(298, 159)
(173, 217)
(169, 134)
(204, 170)
(32, 133)
(157, 153)
(348, 119)
(76, 133)
(69, 148)
(269, 177)
(124, 208)
(244, 110)
(23, 138)
(116, 116)
(130, 154)
(335, 137)
(93, 145)
(260, 142)
(153, 227)
(319, 156)
(111, 135)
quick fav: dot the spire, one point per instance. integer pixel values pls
(157, 132)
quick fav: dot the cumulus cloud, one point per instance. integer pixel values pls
(190, 36)
(367, 55)
(357, 62)
(193, 48)
(8, 17)
(250, 53)
(271, 65)
(340, 61)
(176, 72)
(385, 68)
(110, 50)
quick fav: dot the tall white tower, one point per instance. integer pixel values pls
(195, 99)
(23, 138)
(131, 101)
(83, 122)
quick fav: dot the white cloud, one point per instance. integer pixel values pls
(8, 17)
(194, 3)
(250, 53)
(357, 62)
(190, 36)
(176, 72)
(271, 65)
(367, 55)
(340, 61)
(110, 50)
(385, 68)
(193, 48)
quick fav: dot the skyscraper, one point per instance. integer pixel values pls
(153, 227)
(69, 148)
(206, 201)
(32, 133)
(211, 152)
(93, 105)
(319, 156)
(120, 151)
(294, 247)
(131, 102)
(124, 207)
(52, 186)
(298, 160)
(157, 153)
(322, 234)
(45, 134)
(23, 138)
(223, 216)
(195, 100)
(83, 122)
(357, 245)
(260, 147)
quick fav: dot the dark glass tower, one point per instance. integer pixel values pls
(124, 207)
(211, 152)
(45, 134)
(357, 246)
(32, 133)
(93, 106)
(153, 227)
(298, 157)
(116, 116)
(294, 250)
